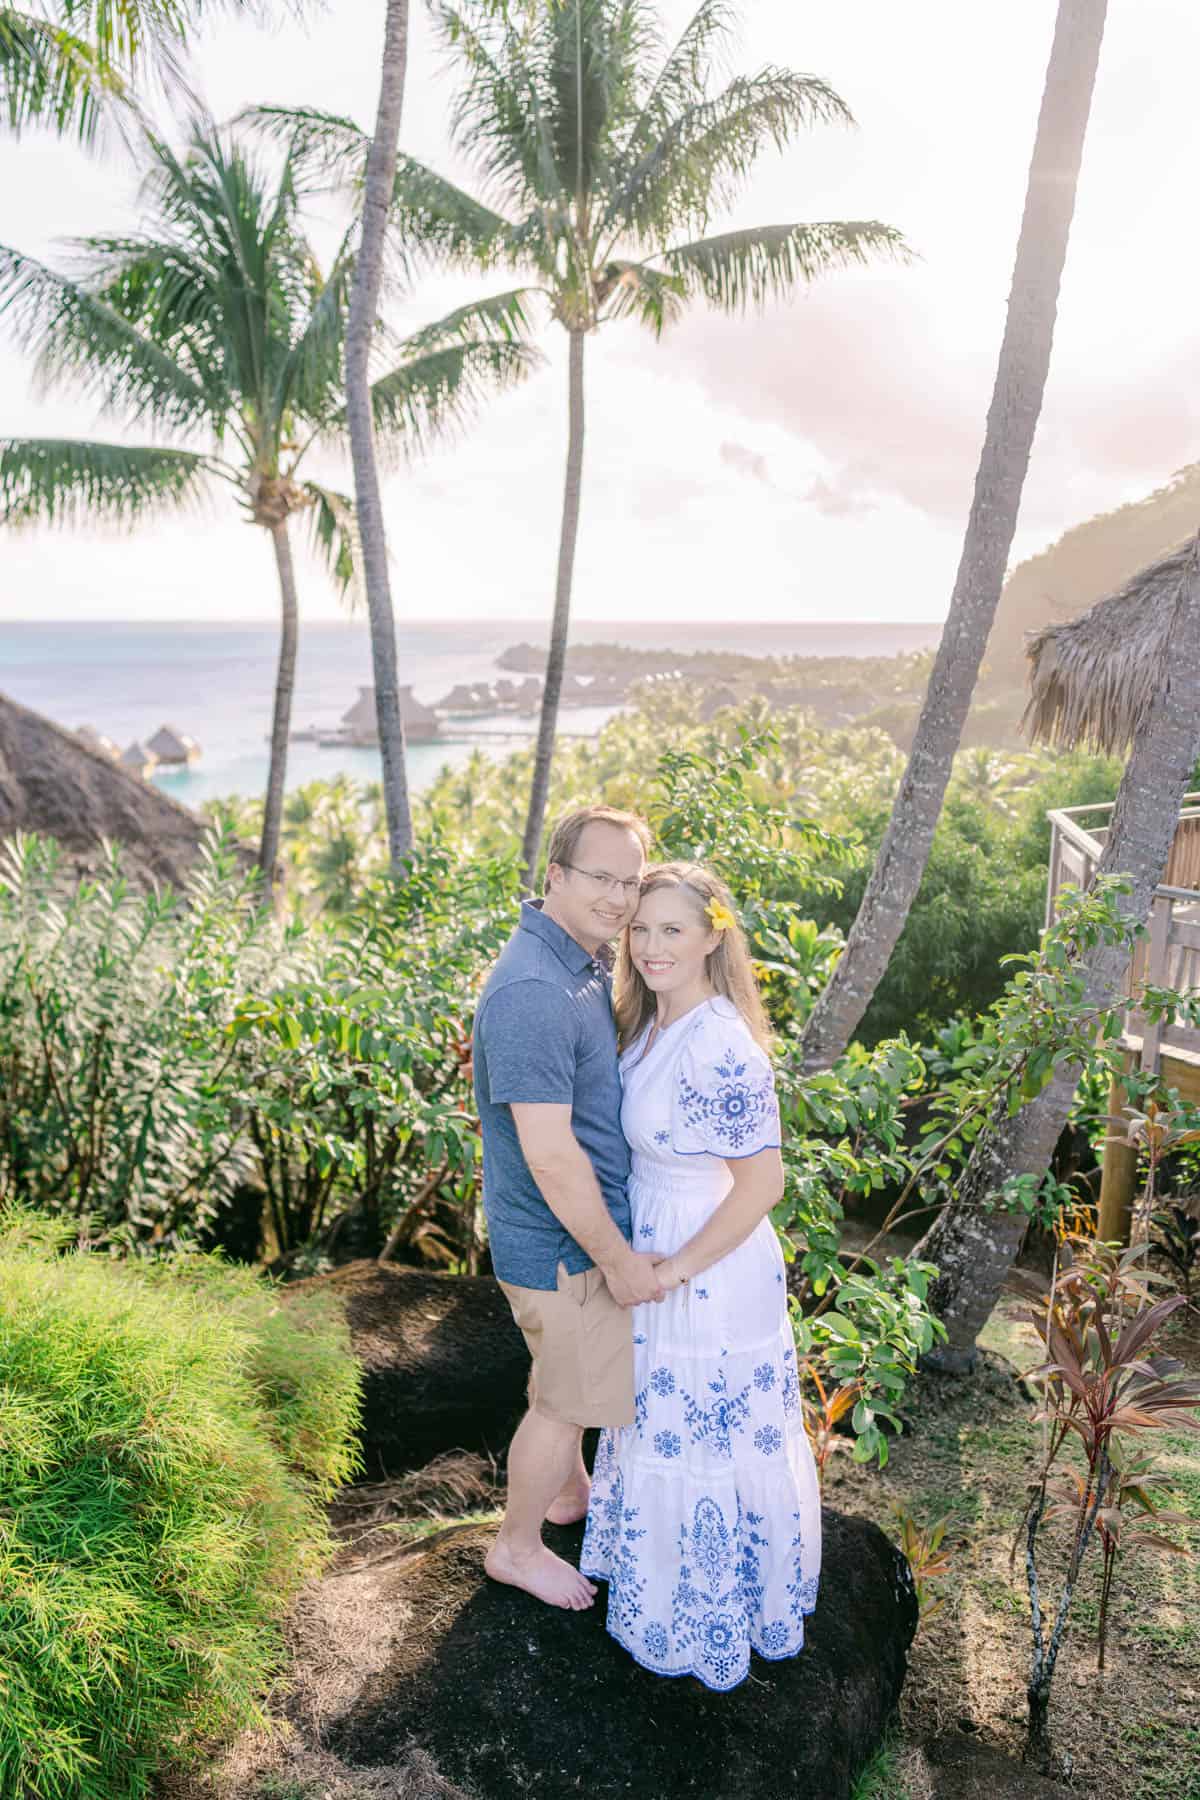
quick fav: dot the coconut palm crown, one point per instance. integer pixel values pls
(217, 328)
(602, 156)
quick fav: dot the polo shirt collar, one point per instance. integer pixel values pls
(565, 947)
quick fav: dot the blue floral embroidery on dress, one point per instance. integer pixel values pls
(774, 1637)
(662, 1137)
(791, 1387)
(610, 1529)
(662, 1381)
(667, 1443)
(645, 1231)
(733, 1115)
(706, 1619)
(639, 1337)
(640, 1409)
(713, 1424)
(655, 1639)
(768, 1440)
(701, 1293)
(764, 1377)
(803, 1589)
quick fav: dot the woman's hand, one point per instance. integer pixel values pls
(669, 1276)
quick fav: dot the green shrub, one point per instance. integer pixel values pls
(167, 1433)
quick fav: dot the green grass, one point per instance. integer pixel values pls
(881, 1779)
(167, 1436)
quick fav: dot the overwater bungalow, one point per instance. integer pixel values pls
(359, 725)
(1092, 682)
(91, 739)
(174, 749)
(138, 760)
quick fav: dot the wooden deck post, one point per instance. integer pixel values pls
(1118, 1177)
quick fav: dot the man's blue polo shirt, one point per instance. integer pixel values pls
(544, 1033)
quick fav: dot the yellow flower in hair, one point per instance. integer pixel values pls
(719, 916)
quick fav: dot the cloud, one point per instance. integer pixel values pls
(746, 462)
(847, 496)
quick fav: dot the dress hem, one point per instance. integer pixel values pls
(714, 1687)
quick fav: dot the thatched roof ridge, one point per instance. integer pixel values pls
(52, 783)
(1092, 680)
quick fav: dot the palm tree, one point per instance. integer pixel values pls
(975, 1239)
(603, 155)
(67, 63)
(218, 324)
(365, 290)
(1016, 402)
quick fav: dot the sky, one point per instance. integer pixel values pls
(811, 462)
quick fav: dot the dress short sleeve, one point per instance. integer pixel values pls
(724, 1101)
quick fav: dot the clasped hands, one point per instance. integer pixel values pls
(643, 1277)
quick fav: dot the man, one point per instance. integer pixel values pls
(555, 1168)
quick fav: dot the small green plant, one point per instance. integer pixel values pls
(929, 1562)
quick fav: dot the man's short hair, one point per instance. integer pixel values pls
(564, 839)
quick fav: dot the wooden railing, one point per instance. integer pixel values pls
(1170, 955)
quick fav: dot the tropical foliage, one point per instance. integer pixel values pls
(168, 1437)
(72, 64)
(215, 326)
(604, 154)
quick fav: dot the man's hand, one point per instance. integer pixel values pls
(633, 1280)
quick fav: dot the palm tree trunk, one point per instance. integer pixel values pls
(363, 310)
(1016, 402)
(973, 1247)
(285, 682)
(560, 628)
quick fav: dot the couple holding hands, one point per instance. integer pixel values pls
(630, 1162)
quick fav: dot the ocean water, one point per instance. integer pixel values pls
(215, 681)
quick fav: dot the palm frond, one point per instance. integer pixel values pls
(502, 318)
(335, 537)
(324, 147)
(703, 157)
(430, 396)
(739, 268)
(51, 76)
(500, 113)
(439, 221)
(75, 335)
(682, 81)
(56, 482)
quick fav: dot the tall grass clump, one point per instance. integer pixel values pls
(168, 1433)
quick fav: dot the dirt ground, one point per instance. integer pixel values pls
(969, 1452)
(1131, 1733)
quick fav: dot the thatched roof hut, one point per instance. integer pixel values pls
(360, 723)
(173, 747)
(52, 783)
(99, 742)
(1092, 679)
(137, 759)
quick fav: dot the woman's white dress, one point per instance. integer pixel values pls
(705, 1517)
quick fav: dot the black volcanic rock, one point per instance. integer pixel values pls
(444, 1367)
(512, 1699)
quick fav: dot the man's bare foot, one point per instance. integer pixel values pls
(546, 1576)
(571, 1504)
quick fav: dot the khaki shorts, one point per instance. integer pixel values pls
(581, 1343)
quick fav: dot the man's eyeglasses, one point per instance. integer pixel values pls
(605, 883)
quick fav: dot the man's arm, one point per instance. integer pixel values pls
(568, 1185)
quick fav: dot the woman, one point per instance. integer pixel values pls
(705, 1514)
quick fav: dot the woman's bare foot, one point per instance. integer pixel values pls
(571, 1504)
(546, 1576)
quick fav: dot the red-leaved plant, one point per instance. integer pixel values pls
(1100, 1385)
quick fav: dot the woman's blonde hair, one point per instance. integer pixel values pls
(728, 966)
